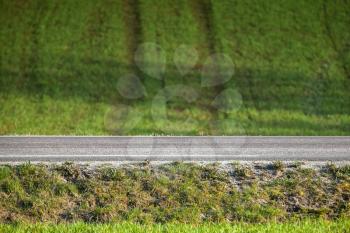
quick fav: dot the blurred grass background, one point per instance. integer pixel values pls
(61, 62)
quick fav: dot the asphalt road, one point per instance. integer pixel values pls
(109, 149)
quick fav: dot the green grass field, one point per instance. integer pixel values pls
(318, 226)
(64, 63)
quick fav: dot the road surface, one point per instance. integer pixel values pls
(110, 149)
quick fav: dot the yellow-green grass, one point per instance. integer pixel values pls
(310, 226)
(31, 115)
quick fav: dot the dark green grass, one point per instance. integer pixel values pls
(173, 193)
(60, 62)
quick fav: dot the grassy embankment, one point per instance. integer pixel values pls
(61, 62)
(177, 197)
(173, 193)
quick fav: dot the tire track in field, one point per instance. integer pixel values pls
(30, 59)
(203, 13)
(97, 27)
(133, 28)
(340, 51)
